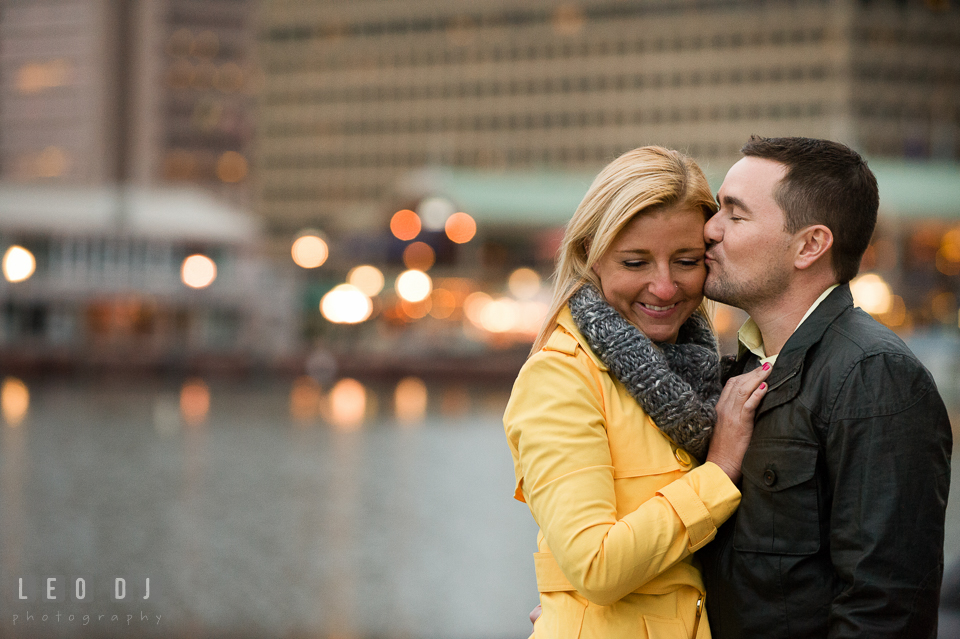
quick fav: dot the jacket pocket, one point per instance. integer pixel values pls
(779, 511)
(660, 628)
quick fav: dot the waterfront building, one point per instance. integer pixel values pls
(357, 94)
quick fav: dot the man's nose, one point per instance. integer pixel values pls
(712, 231)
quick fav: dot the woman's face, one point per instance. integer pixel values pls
(653, 272)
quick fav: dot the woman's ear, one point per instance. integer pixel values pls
(816, 242)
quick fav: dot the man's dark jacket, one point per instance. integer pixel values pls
(840, 529)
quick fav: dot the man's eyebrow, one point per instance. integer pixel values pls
(730, 200)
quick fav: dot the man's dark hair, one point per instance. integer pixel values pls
(826, 183)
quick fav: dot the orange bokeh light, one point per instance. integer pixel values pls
(405, 224)
(460, 228)
(419, 256)
(194, 402)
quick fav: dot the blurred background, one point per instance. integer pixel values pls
(270, 268)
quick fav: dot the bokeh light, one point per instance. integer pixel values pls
(460, 228)
(405, 225)
(198, 271)
(18, 264)
(369, 279)
(474, 304)
(410, 400)
(413, 285)
(194, 402)
(346, 304)
(524, 283)
(305, 397)
(416, 310)
(871, 293)
(434, 212)
(896, 315)
(419, 256)
(499, 316)
(309, 251)
(231, 167)
(530, 316)
(14, 401)
(348, 404)
(444, 303)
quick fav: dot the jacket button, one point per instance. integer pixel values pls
(769, 477)
(683, 457)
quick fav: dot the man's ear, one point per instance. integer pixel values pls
(816, 242)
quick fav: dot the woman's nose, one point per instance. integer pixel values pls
(663, 285)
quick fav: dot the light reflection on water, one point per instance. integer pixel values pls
(271, 508)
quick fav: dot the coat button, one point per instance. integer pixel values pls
(683, 457)
(769, 477)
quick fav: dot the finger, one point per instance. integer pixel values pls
(750, 405)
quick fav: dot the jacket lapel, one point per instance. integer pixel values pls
(786, 377)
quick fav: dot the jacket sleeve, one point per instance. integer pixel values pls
(555, 425)
(888, 464)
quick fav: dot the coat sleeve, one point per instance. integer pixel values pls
(888, 451)
(556, 428)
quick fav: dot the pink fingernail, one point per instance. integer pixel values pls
(766, 366)
(763, 385)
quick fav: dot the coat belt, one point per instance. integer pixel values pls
(551, 579)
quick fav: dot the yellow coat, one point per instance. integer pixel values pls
(621, 509)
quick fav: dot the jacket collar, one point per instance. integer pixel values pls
(784, 381)
(565, 320)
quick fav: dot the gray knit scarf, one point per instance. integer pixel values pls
(678, 385)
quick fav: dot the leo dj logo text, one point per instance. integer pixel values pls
(81, 589)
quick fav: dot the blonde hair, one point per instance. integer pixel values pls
(639, 181)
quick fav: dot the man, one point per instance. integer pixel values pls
(840, 528)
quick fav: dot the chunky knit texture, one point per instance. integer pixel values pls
(678, 385)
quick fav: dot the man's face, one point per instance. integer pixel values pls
(748, 264)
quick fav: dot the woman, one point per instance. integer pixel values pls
(613, 412)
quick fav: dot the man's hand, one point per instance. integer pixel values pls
(735, 413)
(535, 614)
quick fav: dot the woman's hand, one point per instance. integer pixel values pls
(735, 412)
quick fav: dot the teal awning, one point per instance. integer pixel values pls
(908, 189)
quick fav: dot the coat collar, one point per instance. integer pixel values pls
(565, 321)
(784, 380)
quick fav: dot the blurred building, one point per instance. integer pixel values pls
(99, 276)
(359, 93)
(149, 92)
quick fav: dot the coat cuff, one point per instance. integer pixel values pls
(703, 498)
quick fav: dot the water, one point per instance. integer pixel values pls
(267, 509)
(256, 524)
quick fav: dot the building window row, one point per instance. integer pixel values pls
(887, 35)
(907, 74)
(548, 86)
(565, 20)
(488, 122)
(557, 48)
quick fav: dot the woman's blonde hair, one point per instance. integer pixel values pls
(639, 181)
